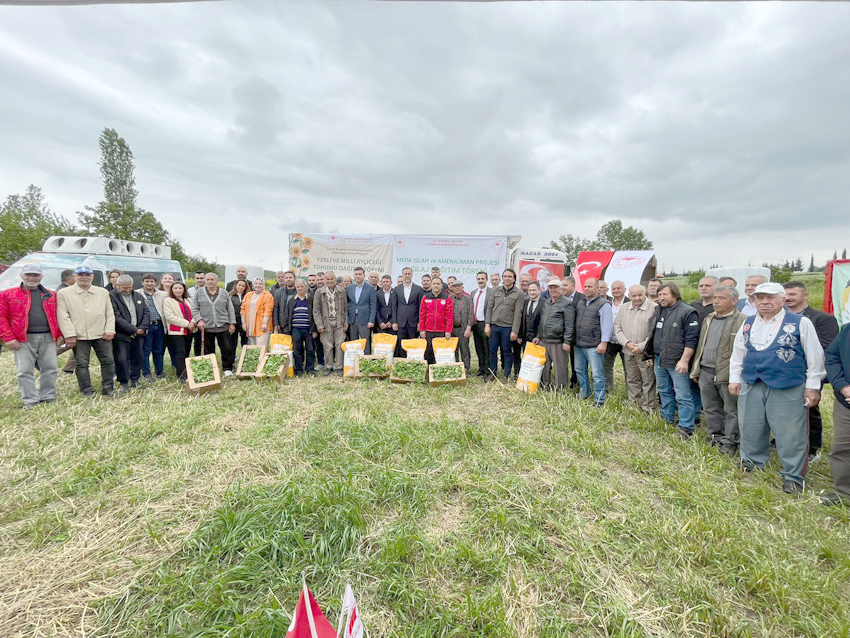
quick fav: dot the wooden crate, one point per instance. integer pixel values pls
(202, 388)
(361, 357)
(395, 379)
(282, 371)
(461, 381)
(245, 349)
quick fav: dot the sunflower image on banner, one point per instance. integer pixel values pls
(299, 254)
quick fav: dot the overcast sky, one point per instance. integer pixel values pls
(721, 130)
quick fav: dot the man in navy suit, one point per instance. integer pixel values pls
(405, 308)
(362, 308)
(385, 296)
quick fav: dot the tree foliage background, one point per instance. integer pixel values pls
(25, 222)
(612, 236)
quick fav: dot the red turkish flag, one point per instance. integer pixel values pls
(309, 622)
(591, 264)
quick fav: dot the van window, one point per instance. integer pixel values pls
(11, 277)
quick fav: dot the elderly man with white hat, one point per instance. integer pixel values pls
(776, 369)
(555, 332)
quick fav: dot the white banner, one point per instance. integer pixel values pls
(461, 256)
(311, 253)
(628, 266)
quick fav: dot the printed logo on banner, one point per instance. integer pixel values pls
(622, 263)
(333, 240)
(497, 246)
(399, 243)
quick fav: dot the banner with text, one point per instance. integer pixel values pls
(461, 256)
(312, 253)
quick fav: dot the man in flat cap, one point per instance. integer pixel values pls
(776, 369)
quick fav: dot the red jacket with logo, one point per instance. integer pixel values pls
(436, 315)
(15, 306)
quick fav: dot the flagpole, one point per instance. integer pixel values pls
(341, 614)
(308, 605)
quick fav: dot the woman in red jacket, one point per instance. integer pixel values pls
(436, 317)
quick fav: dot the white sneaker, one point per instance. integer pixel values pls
(814, 458)
(319, 367)
(228, 373)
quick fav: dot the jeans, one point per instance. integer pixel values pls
(303, 340)
(500, 339)
(154, 345)
(103, 350)
(675, 390)
(38, 348)
(589, 357)
(128, 359)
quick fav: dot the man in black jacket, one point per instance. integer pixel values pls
(531, 313)
(384, 316)
(674, 340)
(826, 326)
(131, 325)
(405, 308)
(568, 290)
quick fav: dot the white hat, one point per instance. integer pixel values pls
(770, 288)
(554, 281)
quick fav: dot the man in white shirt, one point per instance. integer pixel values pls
(776, 369)
(748, 304)
(479, 305)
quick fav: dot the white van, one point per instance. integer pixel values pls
(101, 254)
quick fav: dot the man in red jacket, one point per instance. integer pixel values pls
(436, 317)
(29, 328)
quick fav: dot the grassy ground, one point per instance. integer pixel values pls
(475, 511)
(453, 512)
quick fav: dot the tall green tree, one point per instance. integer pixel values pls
(612, 236)
(26, 221)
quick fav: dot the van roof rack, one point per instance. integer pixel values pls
(105, 246)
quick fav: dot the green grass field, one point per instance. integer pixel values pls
(476, 511)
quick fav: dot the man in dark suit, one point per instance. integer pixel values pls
(479, 305)
(362, 308)
(568, 289)
(405, 308)
(531, 313)
(826, 327)
(131, 325)
(385, 294)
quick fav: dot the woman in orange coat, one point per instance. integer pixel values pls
(257, 308)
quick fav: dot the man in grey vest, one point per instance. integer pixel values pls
(776, 370)
(594, 329)
(214, 314)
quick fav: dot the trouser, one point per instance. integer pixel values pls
(720, 408)
(178, 350)
(154, 345)
(302, 342)
(815, 428)
(70, 364)
(762, 410)
(197, 343)
(500, 341)
(260, 340)
(223, 339)
(610, 358)
(128, 359)
(573, 375)
(404, 332)
(360, 331)
(482, 350)
(697, 399)
(516, 355)
(556, 374)
(429, 347)
(332, 339)
(588, 357)
(462, 353)
(640, 380)
(39, 348)
(103, 350)
(839, 457)
(675, 391)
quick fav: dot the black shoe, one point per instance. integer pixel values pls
(88, 395)
(713, 441)
(791, 487)
(833, 499)
(328, 372)
(312, 373)
(747, 466)
(684, 434)
(729, 450)
(596, 404)
(339, 373)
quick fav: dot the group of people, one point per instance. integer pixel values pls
(752, 366)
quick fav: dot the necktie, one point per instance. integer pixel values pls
(477, 299)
